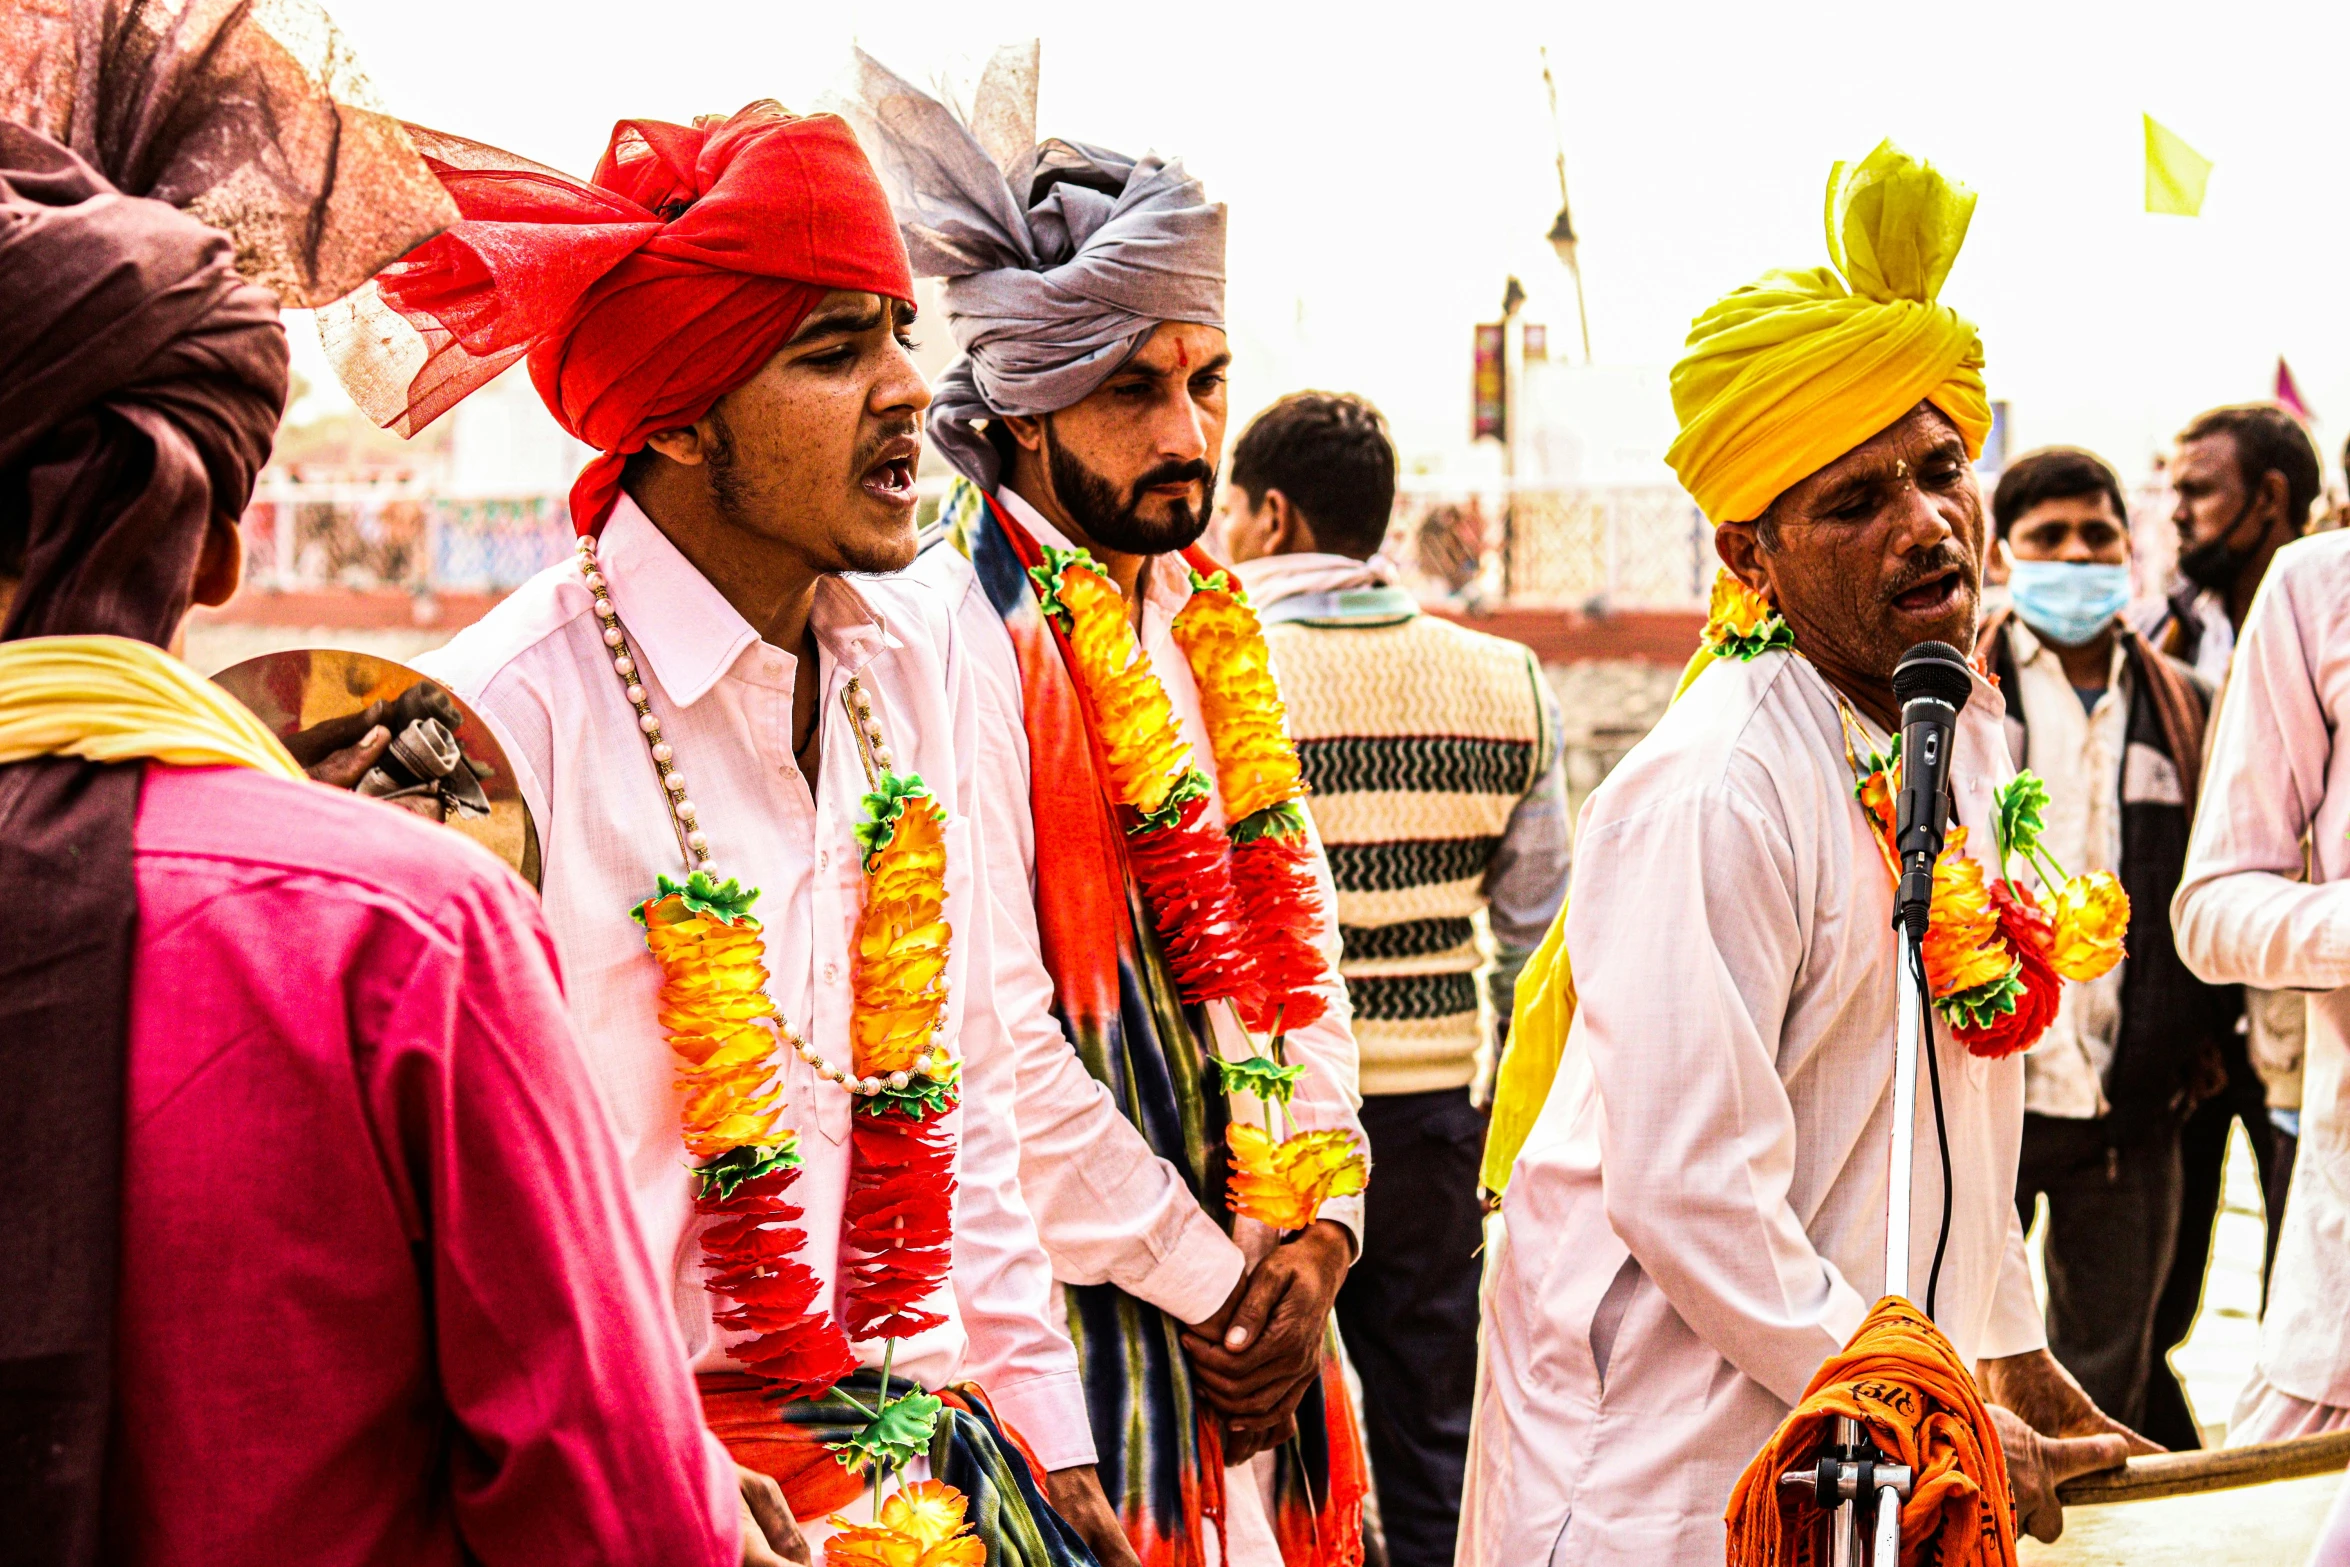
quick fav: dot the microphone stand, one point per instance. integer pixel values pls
(1850, 1469)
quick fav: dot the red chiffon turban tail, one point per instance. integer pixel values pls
(641, 296)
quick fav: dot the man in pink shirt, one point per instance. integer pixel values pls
(314, 1246)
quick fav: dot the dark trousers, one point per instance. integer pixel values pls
(2203, 1156)
(1408, 1311)
(2113, 1216)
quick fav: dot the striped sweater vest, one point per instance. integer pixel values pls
(1418, 737)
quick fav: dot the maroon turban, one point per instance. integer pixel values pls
(641, 296)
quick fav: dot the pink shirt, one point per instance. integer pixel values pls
(382, 1297)
(537, 670)
(2246, 913)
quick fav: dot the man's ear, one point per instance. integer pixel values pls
(1740, 548)
(220, 564)
(2276, 498)
(685, 445)
(1027, 429)
(1286, 532)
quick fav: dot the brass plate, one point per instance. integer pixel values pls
(301, 689)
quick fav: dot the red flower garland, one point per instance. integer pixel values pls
(897, 1227)
(1186, 877)
(750, 1252)
(2025, 931)
(1274, 878)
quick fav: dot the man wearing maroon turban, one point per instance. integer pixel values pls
(719, 310)
(313, 1242)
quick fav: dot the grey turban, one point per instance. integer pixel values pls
(1059, 257)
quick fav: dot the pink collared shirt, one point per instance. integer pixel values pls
(1109, 1210)
(537, 670)
(382, 1295)
(2279, 776)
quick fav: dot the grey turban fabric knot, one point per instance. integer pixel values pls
(1059, 257)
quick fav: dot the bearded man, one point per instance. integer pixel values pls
(722, 312)
(1697, 1220)
(1086, 416)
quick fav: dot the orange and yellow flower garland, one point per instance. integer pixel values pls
(1995, 960)
(726, 1032)
(1236, 920)
(1257, 770)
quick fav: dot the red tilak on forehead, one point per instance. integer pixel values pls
(1182, 357)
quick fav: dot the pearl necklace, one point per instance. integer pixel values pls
(872, 750)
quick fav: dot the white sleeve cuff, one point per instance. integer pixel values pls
(1049, 1414)
(1195, 1276)
(1346, 1212)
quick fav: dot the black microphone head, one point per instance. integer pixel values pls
(1933, 669)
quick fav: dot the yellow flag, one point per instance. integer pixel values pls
(2175, 172)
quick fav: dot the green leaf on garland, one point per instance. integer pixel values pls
(728, 902)
(1976, 1007)
(1047, 578)
(1193, 785)
(737, 1165)
(1216, 582)
(894, 1437)
(1285, 820)
(919, 1100)
(2020, 814)
(1264, 1078)
(1770, 636)
(884, 806)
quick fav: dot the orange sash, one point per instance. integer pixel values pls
(1900, 1378)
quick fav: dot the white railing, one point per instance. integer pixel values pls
(1625, 546)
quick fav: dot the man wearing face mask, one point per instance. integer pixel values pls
(2115, 730)
(2246, 476)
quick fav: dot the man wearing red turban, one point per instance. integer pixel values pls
(639, 296)
(720, 311)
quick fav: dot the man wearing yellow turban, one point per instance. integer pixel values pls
(1696, 1220)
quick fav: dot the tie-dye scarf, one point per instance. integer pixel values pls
(1160, 1461)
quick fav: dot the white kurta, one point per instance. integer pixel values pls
(1107, 1210)
(2244, 914)
(1698, 1218)
(538, 673)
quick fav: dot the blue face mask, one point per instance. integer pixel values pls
(2068, 602)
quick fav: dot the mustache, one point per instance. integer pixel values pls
(1193, 470)
(1946, 557)
(869, 449)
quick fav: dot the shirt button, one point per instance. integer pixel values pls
(831, 972)
(823, 859)
(774, 667)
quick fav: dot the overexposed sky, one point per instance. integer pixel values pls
(1387, 167)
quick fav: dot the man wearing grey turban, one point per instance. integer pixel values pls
(1085, 417)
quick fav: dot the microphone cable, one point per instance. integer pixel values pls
(1917, 962)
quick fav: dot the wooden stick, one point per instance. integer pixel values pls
(2213, 1469)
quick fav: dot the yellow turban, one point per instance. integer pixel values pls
(1793, 370)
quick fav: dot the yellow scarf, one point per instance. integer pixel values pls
(114, 699)
(1541, 1011)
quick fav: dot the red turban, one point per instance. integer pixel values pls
(641, 296)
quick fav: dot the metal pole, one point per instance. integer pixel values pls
(1905, 1113)
(1888, 1551)
(1844, 1523)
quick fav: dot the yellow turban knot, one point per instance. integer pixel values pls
(1793, 370)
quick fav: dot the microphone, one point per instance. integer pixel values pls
(1932, 683)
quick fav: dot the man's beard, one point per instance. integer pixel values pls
(2215, 563)
(1116, 522)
